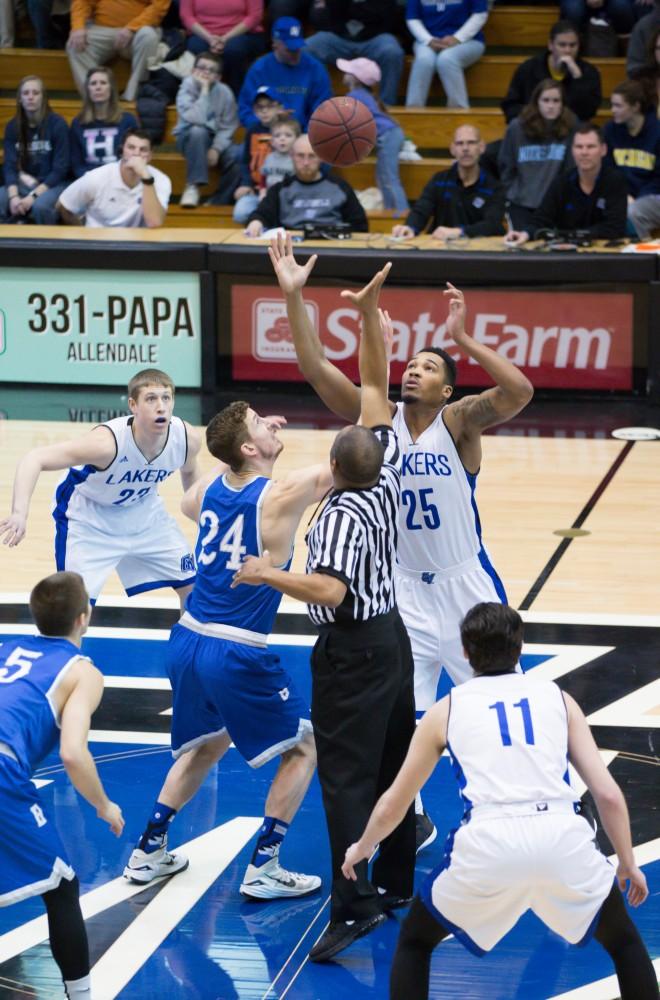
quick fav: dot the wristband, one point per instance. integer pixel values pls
(149, 181)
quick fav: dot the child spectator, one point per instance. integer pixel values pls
(633, 146)
(206, 122)
(535, 149)
(448, 38)
(361, 77)
(36, 158)
(278, 164)
(98, 131)
(256, 147)
(231, 30)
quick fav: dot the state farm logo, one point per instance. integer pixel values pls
(271, 336)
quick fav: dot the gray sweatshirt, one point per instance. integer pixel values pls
(216, 110)
(529, 166)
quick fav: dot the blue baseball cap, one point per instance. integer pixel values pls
(266, 92)
(289, 30)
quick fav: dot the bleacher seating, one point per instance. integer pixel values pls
(517, 30)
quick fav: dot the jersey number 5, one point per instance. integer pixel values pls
(523, 705)
(231, 542)
(18, 664)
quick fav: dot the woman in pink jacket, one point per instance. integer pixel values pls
(232, 29)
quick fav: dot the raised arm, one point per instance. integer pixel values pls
(375, 409)
(98, 448)
(334, 388)
(190, 469)
(468, 417)
(611, 805)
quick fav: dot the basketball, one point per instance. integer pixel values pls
(342, 131)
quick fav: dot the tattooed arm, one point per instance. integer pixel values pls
(468, 417)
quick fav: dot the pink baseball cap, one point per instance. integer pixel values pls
(364, 70)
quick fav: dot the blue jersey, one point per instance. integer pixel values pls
(229, 529)
(31, 667)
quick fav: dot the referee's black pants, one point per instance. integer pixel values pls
(363, 713)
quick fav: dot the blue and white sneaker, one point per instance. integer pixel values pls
(143, 867)
(271, 881)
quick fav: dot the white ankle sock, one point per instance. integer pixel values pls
(78, 989)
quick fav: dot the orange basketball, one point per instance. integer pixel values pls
(342, 131)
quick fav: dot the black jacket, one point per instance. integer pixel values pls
(582, 96)
(478, 210)
(602, 213)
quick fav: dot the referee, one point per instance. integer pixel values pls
(363, 710)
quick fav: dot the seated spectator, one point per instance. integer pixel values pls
(298, 80)
(98, 131)
(126, 193)
(591, 198)
(36, 158)
(103, 29)
(649, 74)
(561, 63)
(633, 145)
(206, 122)
(637, 58)
(256, 147)
(535, 149)
(276, 167)
(362, 28)
(361, 77)
(308, 196)
(448, 39)
(233, 31)
(620, 14)
(465, 200)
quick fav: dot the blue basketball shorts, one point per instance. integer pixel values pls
(32, 858)
(219, 685)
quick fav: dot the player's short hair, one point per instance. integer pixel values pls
(358, 454)
(492, 635)
(586, 128)
(227, 432)
(57, 601)
(139, 133)
(563, 27)
(450, 364)
(149, 376)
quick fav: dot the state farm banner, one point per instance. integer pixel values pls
(579, 340)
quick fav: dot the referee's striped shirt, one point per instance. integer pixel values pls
(355, 540)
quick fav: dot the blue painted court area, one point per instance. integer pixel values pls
(227, 949)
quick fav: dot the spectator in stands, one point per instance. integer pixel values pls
(299, 81)
(590, 198)
(649, 75)
(50, 32)
(103, 29)
(535, 149)
(643, 55)
(276, 167)
(206, 122)
(620, 14)
(633, 145)
(361, 77)
(308, 196)
(561, 63)
(466, 200)
(128, 192)
(231, 30)
(362, 28)
(256, 147)
(98, 131)
(36, 158)
(448, 39)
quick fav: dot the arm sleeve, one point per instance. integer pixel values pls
(191, 104)
(254, 14)
(506, 158)
(472, 27)
(226, 122)
(77, 196)
(616, 210)
(424, 208)
(78, 165)
(419, 31)
(187, 13)
(246, 98)
(11, 154)
(151, 16)
(492, 223)
(81, 12)
(352, 211)
(319, 91)
(163, 186)
(60, 163)
(514, 100)
(585, 93)
(547, 214)
(268, 211)
(339, 551)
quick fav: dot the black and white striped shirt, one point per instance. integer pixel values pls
(355, 540)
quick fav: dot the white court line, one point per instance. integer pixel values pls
(630, 710)
(215, 844)
(155, 634)
(209, 855)
(563, 658)
(40, 782)
(130, 736)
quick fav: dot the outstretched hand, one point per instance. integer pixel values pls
(367, 298)
(387, 329)
(456, 315)
(12, 530)
(291, 275)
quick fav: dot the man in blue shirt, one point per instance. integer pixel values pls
(299, 81)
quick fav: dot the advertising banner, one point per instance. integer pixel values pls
(80, 327)
(580, 340)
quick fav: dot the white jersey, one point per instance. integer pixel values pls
(508, 739)
(123, 497)
(439, 524)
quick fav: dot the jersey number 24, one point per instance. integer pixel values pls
(231, 542)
